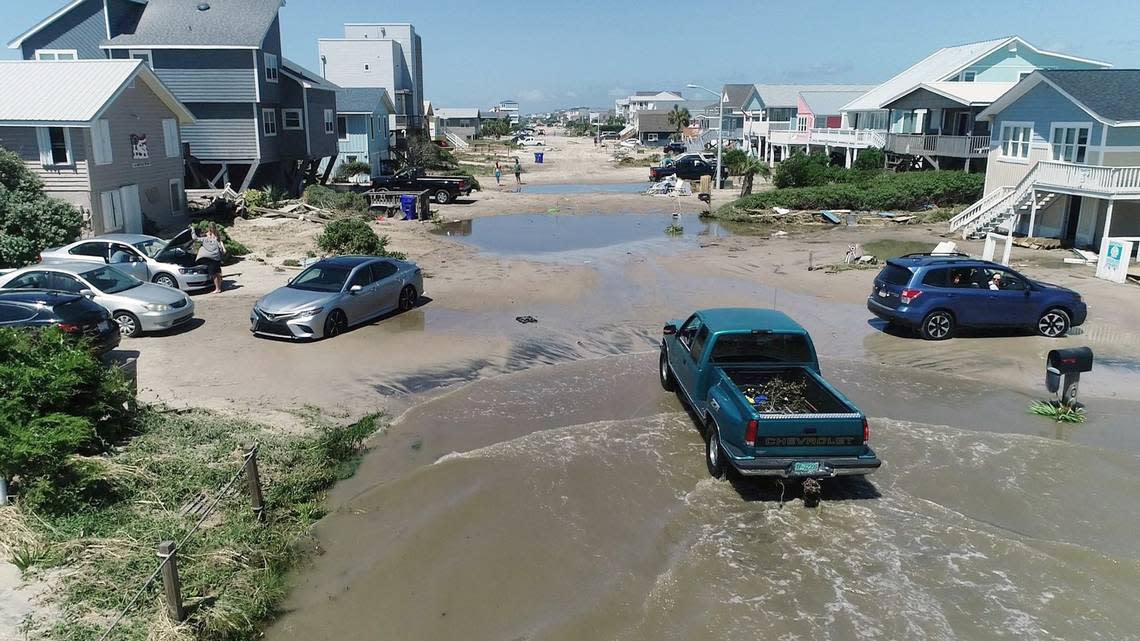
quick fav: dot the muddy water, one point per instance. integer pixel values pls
(571, 502)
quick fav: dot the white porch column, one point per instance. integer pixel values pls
(1107, 226)
(854, 154)
(1032, 212)
(919, 121)
(1009, 238)
(847, 156)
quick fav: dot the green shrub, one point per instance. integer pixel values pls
(30, 222)
(909, 191)
(233, 247)
(255, 198)
(870, 159)
(734, 158)
(354, 236)
(57, 400)
(344, 202)
(803, 170)
(347, 170)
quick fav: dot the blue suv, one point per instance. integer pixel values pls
(937, 294)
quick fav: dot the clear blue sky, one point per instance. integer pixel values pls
(560, 54)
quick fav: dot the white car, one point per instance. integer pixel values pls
(632, 143)
(530, 142)
(135, 305)
(149, 259)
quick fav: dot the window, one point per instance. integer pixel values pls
(31, 280)
(895, 275)
(271, 70)
(144, 55)
(66, 283)
(383, 270)
(1008, 281)
(55, 146)
(699, 342)
(14, 314)
(801, 123)
(101, 143)
(968, 76)
(176, 192)
(1070, 141)
(291, 119)
(328, 121)
(751, 348)
(936, 278)
(342, 128)
(57, 54)
(651, 137)
(269, 121)
(371, 128)
(171, 138)
(1015, 137)
(367, 68)
(363, 277)
(689, 331)
(94, 249)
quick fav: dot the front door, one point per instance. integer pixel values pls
(1072, 221)
(132, 209)
(127, 260)
(1008, 300)
(691, 338)
(386, 286)
(962, 128)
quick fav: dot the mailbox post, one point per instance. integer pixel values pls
(1063, 371)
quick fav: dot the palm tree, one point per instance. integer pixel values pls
(747, 168)
(679, 117)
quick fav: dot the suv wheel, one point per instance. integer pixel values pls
(667, 382)
(714, 453)
(1053, 323)
(938, 326)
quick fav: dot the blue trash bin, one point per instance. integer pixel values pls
(538, 157)
(408, 206)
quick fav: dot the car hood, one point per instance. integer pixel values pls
(149, 293)
(176, 256)
(286, 300)
(1056, 288)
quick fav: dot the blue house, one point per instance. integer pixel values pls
(258, 119)
(1065, 159)
(362, 128)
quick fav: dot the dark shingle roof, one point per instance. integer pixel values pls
(359, 100)
(227, 23)
(737, 94)
(1114, 94)
(654, 121)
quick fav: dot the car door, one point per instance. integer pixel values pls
(358, 305)
(1015, 301)
(128, 260)
(94, 251)
(690, 340)
(387, 285)
(970, 301)
(36, 279)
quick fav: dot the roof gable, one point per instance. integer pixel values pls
(776, 96)
(1112, 96)
(308, 79)
(236, 24)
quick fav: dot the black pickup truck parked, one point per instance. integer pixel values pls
(688, 167)
(444, 189)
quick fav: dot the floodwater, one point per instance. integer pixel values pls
(586, 188)
(556, 493)
(571, 502)
(544, 235)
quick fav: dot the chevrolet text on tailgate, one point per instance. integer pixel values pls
(752, 377)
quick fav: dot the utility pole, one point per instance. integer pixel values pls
(719, 135)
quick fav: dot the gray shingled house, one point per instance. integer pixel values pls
(259, 119)
(102, 135)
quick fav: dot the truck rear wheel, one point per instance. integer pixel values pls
(667, 381)
(443, 196)
(715, 458)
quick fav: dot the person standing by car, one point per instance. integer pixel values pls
(518, 172)
(498, 173)
(211, 253)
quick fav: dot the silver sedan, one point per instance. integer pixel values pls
(336, 293)
(136, 306)
(147, 258)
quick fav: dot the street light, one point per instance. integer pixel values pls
(719, 134)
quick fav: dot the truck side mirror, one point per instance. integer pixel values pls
(669, 329)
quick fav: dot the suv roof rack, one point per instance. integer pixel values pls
(938, 255)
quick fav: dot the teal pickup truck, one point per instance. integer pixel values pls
(752, 378)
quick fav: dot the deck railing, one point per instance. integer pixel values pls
(860, 138)
(938, 145)
(1107, 180)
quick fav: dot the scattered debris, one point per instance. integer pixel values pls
(780, 211)
(526, 319)
(670, 186)
(779, 396)
(945, 247)
(674, 230)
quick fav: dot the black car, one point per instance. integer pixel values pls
(76, 315)
(689, 168)
(444, 189)
(675, 148)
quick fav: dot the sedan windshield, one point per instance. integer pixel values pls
(110, 280)
(150, 247)
(321, 278)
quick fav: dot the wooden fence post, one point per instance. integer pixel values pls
(171, 584)
(253, 478)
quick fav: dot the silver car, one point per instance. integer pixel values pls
(336, 293)
(136, 306)
(147, 258)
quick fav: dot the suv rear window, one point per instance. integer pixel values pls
(937, 278)
(895, 275)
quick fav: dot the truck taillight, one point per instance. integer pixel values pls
(69, 328)
(750, 432)
(909, 295)
(866, 431)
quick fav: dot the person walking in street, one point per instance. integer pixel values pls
(498, 173)
(211, 253)
(518, 172)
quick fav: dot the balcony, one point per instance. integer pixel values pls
(786, 136)
(936, 145)
(1087, 179)
(399, 122)
(761, 128)
(854, 138)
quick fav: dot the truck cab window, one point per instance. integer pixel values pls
(689, 332)
(698, 346)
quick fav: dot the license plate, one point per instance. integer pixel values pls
(104, 326)
(884, 293)
(805, 467)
